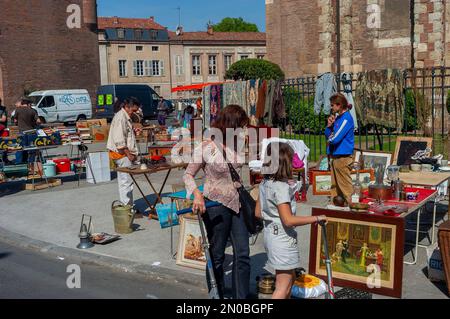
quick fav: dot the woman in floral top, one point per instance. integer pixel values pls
(223, 222)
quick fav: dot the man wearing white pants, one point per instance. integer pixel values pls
(123, 148)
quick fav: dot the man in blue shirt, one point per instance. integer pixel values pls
(341, 143)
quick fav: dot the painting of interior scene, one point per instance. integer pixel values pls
(355, 247)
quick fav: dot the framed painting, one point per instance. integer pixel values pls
(181, 203)
(190, 250)
(366, 251)
(408, 146)
(321, 181)
(371, 159)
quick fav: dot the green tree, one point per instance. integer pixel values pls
(235, 25)
(251, 69)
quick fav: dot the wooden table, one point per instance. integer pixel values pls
(431, 180)
(425, 195)
(134, 172)
(425, 179)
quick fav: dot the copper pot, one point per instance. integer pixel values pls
(380, 192)
(266, 284)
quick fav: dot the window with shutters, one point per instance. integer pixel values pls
(122, 68)
(179, 65)
(138, 34)
(138, 68)
(196, 65)
(154, 68)
(212, 63)
(228, 59)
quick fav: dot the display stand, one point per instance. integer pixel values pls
(39, 159)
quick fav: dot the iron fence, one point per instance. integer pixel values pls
(425, 95)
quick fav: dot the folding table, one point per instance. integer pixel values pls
(425, 195)
(430, 180)
(137, 171)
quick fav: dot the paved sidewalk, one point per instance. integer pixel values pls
(51, 218)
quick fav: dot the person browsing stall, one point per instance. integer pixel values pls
(26, 117)
(224, 222)
(163, 109)
(122, 146)
(341, 144)
(277, 206)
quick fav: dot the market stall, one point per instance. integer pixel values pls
(25, 156)
(146, 171)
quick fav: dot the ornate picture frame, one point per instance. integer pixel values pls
(190, 250)
(366, 251)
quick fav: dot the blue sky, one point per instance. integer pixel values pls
(195, 14)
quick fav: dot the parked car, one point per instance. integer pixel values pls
(107, 94)
(62, 105)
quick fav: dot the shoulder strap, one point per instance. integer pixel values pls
(234, 175)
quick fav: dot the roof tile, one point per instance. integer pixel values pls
(218, 36)
(127, 23)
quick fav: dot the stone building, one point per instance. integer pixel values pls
(135, 51)
(375, 34)
(204, 57)
(143, 51)
(47, 45)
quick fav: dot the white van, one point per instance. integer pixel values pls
(62, 105)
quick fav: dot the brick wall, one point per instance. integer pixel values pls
(39, 51)
(429, 33)
(292, 38)
(301, 34)
(447, 32)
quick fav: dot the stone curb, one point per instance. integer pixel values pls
(113, 263)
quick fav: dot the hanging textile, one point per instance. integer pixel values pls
(252, 99)
(326, 86)
(278, 105)
(347, 82)
(207, 106)
(379, 98)
(234, 93)
(216, 101)
(268, 105)
(260, 105)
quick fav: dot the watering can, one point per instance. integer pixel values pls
(123, 216)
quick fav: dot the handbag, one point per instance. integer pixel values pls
(248, 205)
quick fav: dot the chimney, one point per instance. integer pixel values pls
(210, 29)
(152, 19)
(116, 20)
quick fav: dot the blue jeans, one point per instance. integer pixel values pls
(162, 120)
(221, 224)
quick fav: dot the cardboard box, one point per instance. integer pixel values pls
(100, 133)
(43, 185)
(90, 123)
